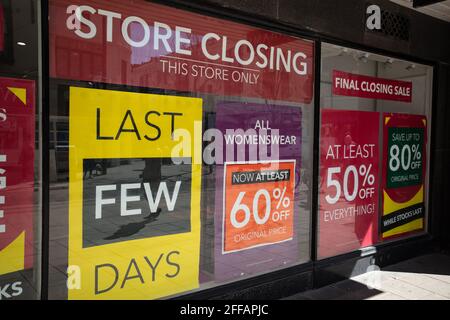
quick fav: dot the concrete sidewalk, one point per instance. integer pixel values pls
(423, 278)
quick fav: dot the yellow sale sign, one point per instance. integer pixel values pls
(134, 224)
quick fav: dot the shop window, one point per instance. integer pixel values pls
(374, 149)
(182, 149)
(20, 152)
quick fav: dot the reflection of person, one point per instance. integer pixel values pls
(152, 173)
(89, 166)
(362, 223)
(104, 164)
(348, 140)
(327, 139)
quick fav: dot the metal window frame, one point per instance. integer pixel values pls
(268, 24)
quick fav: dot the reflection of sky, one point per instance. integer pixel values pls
(146, 53)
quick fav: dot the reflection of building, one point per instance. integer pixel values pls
(72, 58)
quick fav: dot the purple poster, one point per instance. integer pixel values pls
(257, 187)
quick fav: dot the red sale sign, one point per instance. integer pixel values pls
(356, 85)
(150, 45)
(17, 118)
(348, 214)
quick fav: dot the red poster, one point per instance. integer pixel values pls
(348, 207)
(17, 121)
(356, 85)
(150, 45)
(404, 172)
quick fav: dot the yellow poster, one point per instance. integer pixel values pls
(404, 173)
(134, 213)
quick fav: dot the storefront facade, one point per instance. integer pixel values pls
(217, 150)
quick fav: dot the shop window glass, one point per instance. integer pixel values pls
(181, 150)
(374, 149)
(20, 152)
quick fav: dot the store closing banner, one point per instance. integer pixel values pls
(160, 255)
(356, 85)
(17, 141)
(150, 45)
(404, 169)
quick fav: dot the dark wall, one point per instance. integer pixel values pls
(439, 198)
(345, 19)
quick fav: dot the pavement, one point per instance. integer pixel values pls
(425, 277)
